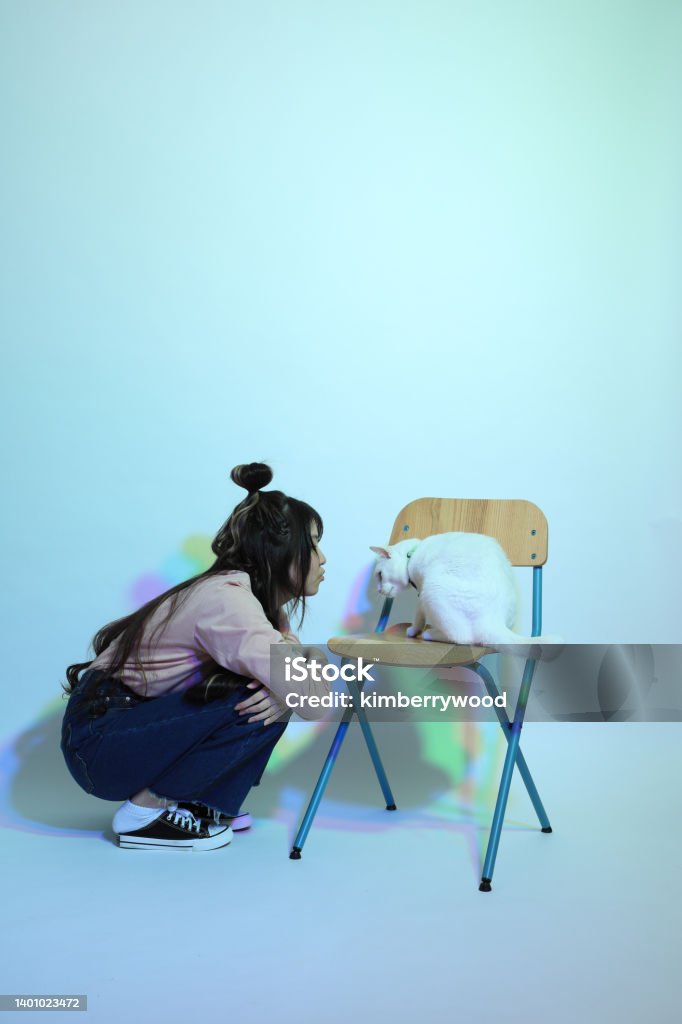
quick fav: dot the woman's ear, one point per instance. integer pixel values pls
(382, 552)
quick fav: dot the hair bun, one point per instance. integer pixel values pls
(252, 476)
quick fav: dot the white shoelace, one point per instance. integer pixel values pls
(185, 819)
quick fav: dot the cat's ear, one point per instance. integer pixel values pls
(383, 552)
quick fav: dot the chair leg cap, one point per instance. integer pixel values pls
(548, 829)
(485, 885)
(391, 807)
(295, 853)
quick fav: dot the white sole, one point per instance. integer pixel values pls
(214, 842)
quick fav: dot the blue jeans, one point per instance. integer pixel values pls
(182, 751)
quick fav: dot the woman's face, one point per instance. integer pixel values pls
(317, 560)
(315, 573)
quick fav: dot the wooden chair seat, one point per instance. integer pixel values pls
(394, 647)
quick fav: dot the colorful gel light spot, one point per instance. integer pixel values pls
(195, 556)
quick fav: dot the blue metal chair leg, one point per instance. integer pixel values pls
(524, 771)
(505, 783)
(372, 747)
(321, 785)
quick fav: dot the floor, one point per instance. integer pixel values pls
(382, 917)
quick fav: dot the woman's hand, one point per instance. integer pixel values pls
(262, 706)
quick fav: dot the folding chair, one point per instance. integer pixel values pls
(521, 528)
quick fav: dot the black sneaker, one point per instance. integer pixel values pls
(237, 822)
(176, 830)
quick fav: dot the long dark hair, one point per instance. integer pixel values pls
(268, 536)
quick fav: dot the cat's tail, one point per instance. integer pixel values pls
(542, 648)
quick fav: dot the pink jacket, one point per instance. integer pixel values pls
(219, 620)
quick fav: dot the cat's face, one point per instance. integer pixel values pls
(391, 569)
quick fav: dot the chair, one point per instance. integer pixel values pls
(521, 528)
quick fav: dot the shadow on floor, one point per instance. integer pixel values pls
(37, 786)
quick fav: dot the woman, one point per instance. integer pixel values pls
(177, 714)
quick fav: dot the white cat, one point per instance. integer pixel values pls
(466, 587)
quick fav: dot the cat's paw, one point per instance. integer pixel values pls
(435, 635)
(412, 631)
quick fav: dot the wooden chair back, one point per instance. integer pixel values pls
(519, 526)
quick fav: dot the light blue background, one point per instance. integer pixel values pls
(397, 250)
